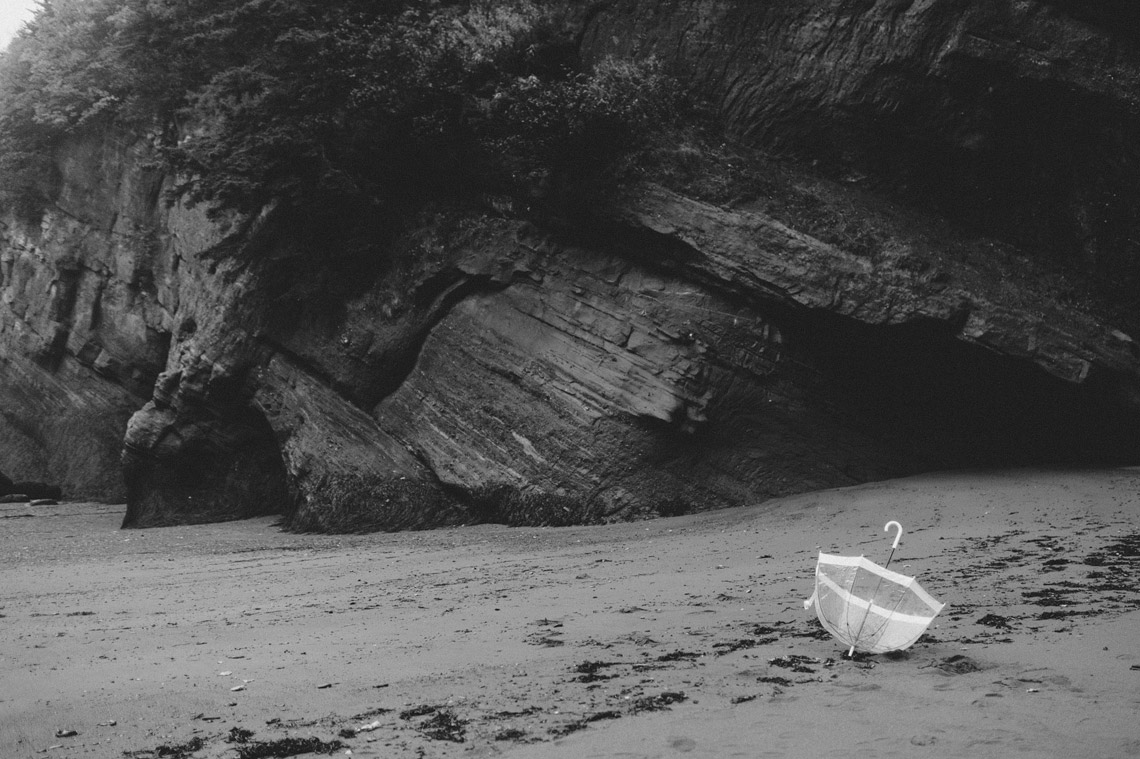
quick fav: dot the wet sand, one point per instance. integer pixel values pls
(681, 636)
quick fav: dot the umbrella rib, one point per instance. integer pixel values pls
(867, 613)
(888, 619)
(870, 603)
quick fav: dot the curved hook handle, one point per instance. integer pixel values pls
(898, 535)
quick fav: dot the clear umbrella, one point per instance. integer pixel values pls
(869, 607)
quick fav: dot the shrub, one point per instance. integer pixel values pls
(576, 131)
(328, 108)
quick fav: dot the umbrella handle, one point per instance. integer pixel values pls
(898, 535)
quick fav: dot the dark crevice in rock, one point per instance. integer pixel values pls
(312, 368)
(63, 292)
(219, 467)
(947, 403)
(664, 252)
(432, 300)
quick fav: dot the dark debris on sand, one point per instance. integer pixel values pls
(657, 703)
(736, 645)
(959, 664)
(238, 735)
(444, 725)
(285, 747)
(995, 620)
(679, 655)
(418, 711)
(582, 724)
(588, 671)
(169, 751)
(795, 663)
(513, 734)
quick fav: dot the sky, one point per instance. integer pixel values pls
(13, 14)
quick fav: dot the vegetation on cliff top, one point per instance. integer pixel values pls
(332, 108)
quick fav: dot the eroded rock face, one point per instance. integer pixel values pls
(1018, 119)
(760, 257)
(91, 303)
(84, 322)
(714, 358)
(665, 356)
(595, 388)
(346, 473)
(200, 450)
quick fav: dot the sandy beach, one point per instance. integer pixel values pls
(676, 637)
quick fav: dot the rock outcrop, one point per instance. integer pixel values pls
(669, 354)
(84, 329)
(1017, 119)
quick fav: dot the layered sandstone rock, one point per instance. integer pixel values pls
(1018, 119)
(667, 355)
(84, 321)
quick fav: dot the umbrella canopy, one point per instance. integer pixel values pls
(868, 607)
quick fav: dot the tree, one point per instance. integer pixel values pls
(328, 108)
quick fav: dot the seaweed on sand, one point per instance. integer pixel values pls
(284, 747)
(658, 702)
(239, 735)
(995, 620)
(418, 711)
(735, 645)
(1124, 552)
(444, 726)
(167, 751)
(588, 671)
(959, 664)
(582, 724)
(679, 655)
(795, 663)
(511, 734)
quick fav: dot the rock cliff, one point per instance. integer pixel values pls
(84, 322)
(1015, 119)
(884, 301)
